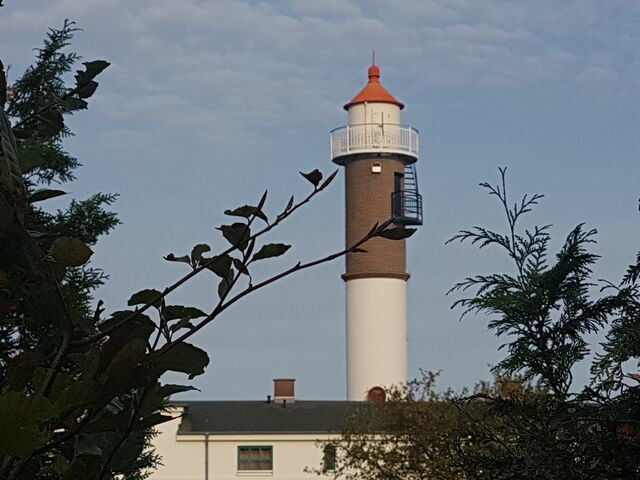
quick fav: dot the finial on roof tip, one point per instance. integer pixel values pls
(374, 74)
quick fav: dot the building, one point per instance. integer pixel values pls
(282, 437)
(278, 437)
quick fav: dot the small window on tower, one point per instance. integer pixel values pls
(376, 167)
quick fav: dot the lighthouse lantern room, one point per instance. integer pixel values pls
(379, 156)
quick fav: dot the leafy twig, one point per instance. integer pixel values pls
(203, 266)
(376, 231)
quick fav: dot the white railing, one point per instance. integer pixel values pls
(374, 137)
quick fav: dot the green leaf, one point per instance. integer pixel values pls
(397, 233)
(20, 369)
(51, 123)
(141, 326)
(236, 234)
(184, 323)
(122, 448)
(14, 406)
(20, 417)
(107, 423)
(70, 252)
(118, 317)
(174, 312)
(80, 393)
(247, 211)
(262, 201)
(87, 90)
(220, 266)
(289, 204)
(198, 250)
(181, 357)
(30, 157)
(89, 444)
(271, 250)
(329, 179)
(45, 194)
(152, 421)
(225, 284)
(60, 465)
(314, 177)
(84, 323)
(172, 258)
(73, 103)
(156, 396)
(223, 287)
(121, 361)
(240, 267)
(144, 297)
(91, 71)
(171, 389)
(129, 452)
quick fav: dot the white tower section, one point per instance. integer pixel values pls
(377, 152)
(376, 334)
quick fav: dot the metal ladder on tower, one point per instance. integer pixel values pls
(407, 203)
(410, 178)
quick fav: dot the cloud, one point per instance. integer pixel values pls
(228, 65)
(325, 8)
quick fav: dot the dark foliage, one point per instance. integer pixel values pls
(547, 310)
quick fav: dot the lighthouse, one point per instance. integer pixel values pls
(378, 154)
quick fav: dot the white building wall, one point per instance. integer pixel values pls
(183, 456)
(180, 460)
(291, 455)
(376, 334)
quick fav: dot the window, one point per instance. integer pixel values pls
(329, 458)
(255, 458)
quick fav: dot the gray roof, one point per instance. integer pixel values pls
(228, 417)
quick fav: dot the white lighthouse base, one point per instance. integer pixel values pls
(376, 334)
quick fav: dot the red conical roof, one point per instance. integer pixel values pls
(374, 91)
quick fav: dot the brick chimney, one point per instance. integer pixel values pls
(283, 390)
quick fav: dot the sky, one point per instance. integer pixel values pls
(207, 103)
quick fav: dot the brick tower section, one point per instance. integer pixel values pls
(368, 200)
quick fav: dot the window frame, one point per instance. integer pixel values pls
(329, 458)
(260, 448)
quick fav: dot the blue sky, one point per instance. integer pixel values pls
(207, 103)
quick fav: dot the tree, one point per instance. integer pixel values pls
(411, 435)
(418, 432)
(80, 390)
(546, 310)
(34, 129)
(540, 426)
(37, 106)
